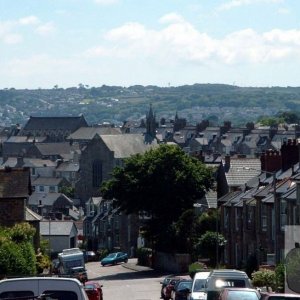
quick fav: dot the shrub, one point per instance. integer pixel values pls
(101, 253)
(143, 256)
(264, 278)
(197, 267)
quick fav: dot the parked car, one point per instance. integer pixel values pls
(239, 293)
(90, 256)
(56, 288)
(220, 279)
(93, 290)
(79, 273)
(182, 289)
(114, 258)
(275, 296)
(198, 286)
(167, 291)
(164, 283)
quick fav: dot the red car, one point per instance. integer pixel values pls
(276, 296)
(239, 293)
(167, 290)
(93, 290)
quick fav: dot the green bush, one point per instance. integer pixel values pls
(143, 256)
(264, 278)
(197, 267)
(101, 253)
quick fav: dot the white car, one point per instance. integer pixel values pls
(42, 288)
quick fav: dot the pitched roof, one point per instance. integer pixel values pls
(55, 148)
(15, 183)
(125, 145)
(68, 167)
(55, 123)
(47, 199)
(87, 133)
(242, 170)
(31, 215)
(47, 181)
(56, 227)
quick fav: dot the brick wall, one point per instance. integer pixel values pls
(12, 211)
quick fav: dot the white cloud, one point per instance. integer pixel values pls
(45, 29)
(12, 39)
(7, 35)
(182, 43)
(106, 2)
(171, 18)
(30, 20)
(237, 3)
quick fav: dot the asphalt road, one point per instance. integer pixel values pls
(126, 281)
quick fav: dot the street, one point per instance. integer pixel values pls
(126, 284)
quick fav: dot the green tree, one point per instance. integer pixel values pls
(17, 256)
(68, 191)
(206, 247)
(164, 182)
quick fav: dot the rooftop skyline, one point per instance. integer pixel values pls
(166, 42)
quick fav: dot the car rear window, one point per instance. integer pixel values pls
(60, 295)
(199, 285)
(245, 295)
(89, 287)
(17, 294)
(283, 298)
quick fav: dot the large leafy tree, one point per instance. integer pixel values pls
(164, 182)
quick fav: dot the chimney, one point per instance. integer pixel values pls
(20, 162)
(270, 161)
(227, 162)
(289, 154)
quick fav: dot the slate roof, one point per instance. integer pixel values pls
(55, 123)
(242, 170)
(31, 215)
(87, 133)
(125, 145)
(26, 139)
(58, 228)
(29, 162)
(47, 181)
(68, 167)
(47, 199)
(15, 183)
(55, 148)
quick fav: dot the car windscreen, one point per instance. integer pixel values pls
(245, 295)
(199, 285)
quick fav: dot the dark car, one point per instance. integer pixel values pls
(277, 296)
(93, 290)
(239, 293)
(167, 290)
(182, 289)
(90, 256)
(79, 273)
(114, 258)
(164, 283)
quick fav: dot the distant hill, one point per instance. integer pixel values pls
(115, 104)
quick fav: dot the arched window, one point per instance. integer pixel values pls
(97, 173)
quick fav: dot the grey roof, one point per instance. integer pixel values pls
(125, 145)
(26, 139)
(47, 199)
(68, 167)
(29, 162)
(55, 148)
(55, 123)
(87, 133)
(56, 228)
(47, 181)
(242, 170)
(31, 215)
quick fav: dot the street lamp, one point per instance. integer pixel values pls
(217, 230)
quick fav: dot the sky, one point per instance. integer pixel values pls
(44, 43)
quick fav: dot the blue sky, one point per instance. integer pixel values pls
(150, 42)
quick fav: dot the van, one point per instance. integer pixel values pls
(198, 286)
(42, 288)
(219, 279)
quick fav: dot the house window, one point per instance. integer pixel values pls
(97, 173)
(237, 218)
(225, 218)
(283, 214)
(264, 218)
(249, 216)
(41, 188)
(51, 189)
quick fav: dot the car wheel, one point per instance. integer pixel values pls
(126, 260)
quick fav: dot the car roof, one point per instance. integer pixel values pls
(280, 295)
